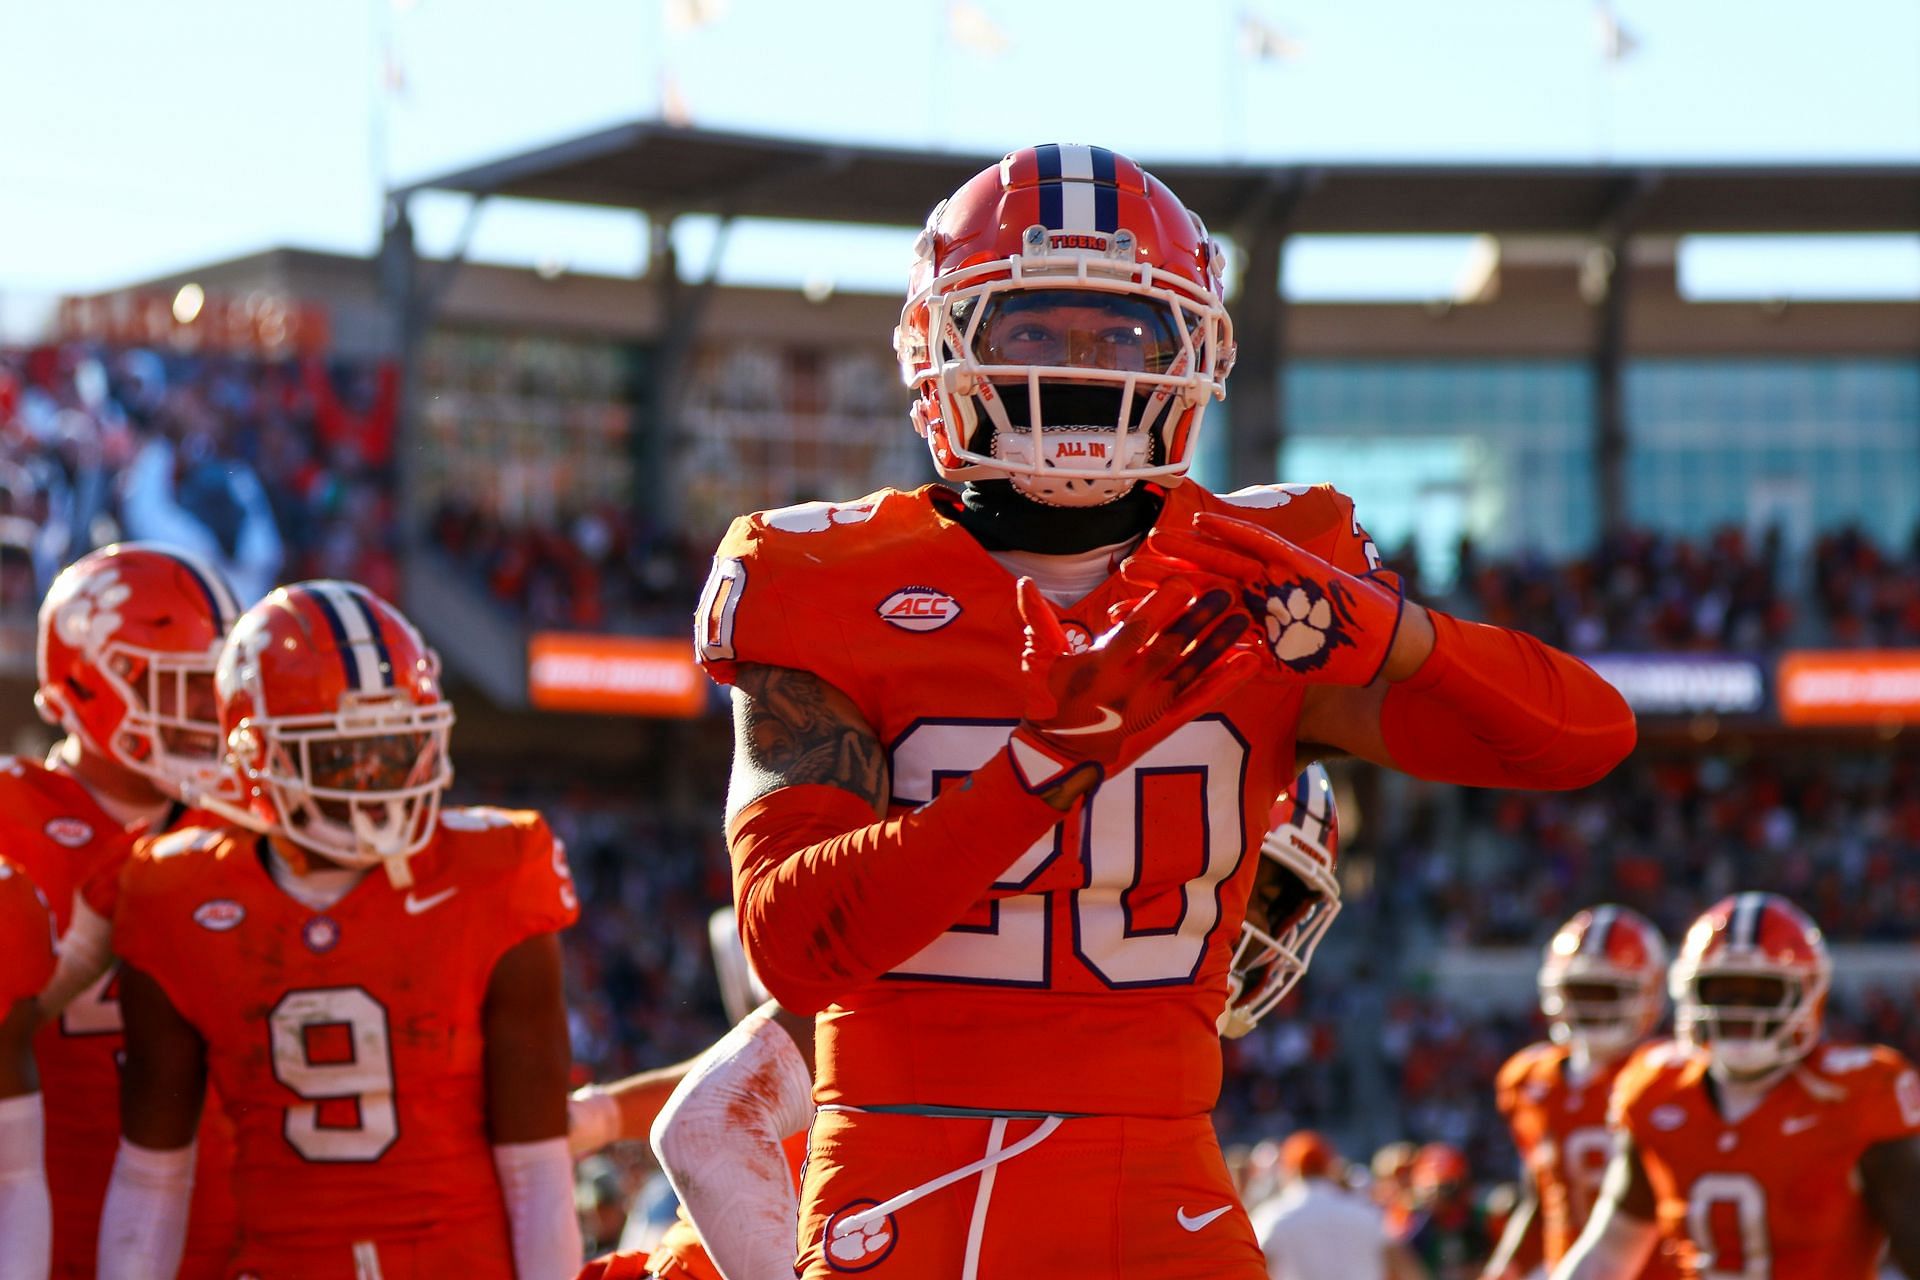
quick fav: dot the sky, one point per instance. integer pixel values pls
(150, 137)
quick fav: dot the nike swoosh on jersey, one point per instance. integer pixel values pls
(1798, 1124)
(417, 905)
(1195, 1223)
(1109, 719)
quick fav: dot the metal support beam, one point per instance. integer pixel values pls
(683, 307)
(1607, 285)
(1259, 321)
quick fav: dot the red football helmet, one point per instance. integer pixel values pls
(1296, 896)
(1603, 981)
(1064, 327)
(331, 706)
(125, 648)
(1439, 1172)
(1750, 985)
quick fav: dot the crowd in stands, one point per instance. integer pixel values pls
(273, 468)
(1668, 835)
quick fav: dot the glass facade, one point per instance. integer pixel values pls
(1809, 445)
(1500, 451)
(1503, 450)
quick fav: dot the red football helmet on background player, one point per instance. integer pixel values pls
(1295, 899)
(125, 649)
(1603, 981)
(331, 706)
(1056, 296)
(1750, 985)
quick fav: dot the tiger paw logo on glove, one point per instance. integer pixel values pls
(1306, 623)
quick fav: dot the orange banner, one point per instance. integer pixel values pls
(614, 675)
(1850, 686)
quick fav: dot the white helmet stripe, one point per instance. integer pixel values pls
(1599, 931)
(355, 632)
(1745, 930)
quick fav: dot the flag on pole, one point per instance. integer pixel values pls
(1264, 42)
(972, 29)
(1617, 42)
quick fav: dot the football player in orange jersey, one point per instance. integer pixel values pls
(1603, 988)
(1003, 755)
(1752, 1148)
(392, 1048)
(125, 646)
(26, 962)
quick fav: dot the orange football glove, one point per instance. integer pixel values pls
(1171, 655)
(1322, 623)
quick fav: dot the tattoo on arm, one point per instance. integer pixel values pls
(791, 728)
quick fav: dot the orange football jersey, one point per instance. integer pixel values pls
(1560, 1129)
(54, 828)
(1774, 1195)
(26, 937)
(347, 1044)
(1090, 977)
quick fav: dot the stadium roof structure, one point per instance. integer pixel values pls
(667, 170)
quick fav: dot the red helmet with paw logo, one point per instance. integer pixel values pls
(331, 705)
(1064, 327)
(1296, 896)
(125, 648)
(1603, 981)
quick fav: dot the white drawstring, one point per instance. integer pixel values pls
(996, 1155)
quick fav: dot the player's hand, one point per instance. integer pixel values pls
(1173, 654)
(1322, 623)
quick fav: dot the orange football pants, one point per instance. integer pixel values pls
(1098, 1198)
(479, 1249)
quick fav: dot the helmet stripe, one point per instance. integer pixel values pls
(1746, 919)
(1103, 166)
(1600, 930)
(348, 658)
(349, 627)
(220, 602)
(1046, 159)
(383, 661)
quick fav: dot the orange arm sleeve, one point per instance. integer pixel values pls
(828, 899)
(1496, 708)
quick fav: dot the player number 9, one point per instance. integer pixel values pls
(331, 1047)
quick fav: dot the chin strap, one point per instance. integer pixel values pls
(1002, 519)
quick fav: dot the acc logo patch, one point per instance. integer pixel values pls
(321, 934)
(219, 914)
(68, 833)
(1668, 1118)
(919, 609)
(858, 1250)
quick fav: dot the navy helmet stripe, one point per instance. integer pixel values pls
(1103, 166)
(222, 618)
(1047, 158)
(339, 630)
(1052, 206)
(1600, 931)
(1746, 919)
(1106, 208)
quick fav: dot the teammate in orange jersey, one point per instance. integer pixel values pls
(125, 647)
(26, 962)
(392, 1048)
(1602, 989)
(994, 799)
(1752, 1148)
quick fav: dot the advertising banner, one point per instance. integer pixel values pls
(1850, 686)
(1685, 684)
(614, 675)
